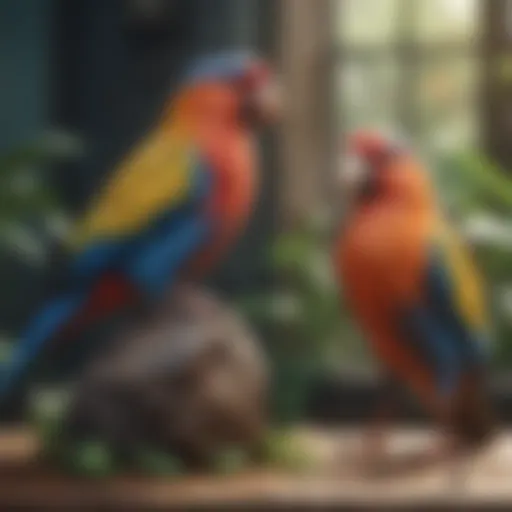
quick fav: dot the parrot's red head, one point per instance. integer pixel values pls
(375, 167)
(239, 85)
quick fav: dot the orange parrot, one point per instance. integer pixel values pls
(413, 287)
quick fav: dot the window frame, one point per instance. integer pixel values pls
(409, 53)
(347, 399)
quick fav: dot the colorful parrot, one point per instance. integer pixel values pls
(171, 209)
(413, 287)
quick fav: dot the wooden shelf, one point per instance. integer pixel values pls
(338, 482)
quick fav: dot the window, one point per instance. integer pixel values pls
(439, 70)
(410, 65)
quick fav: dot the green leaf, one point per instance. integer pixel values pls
(487, 177)
(92, 459)
(290, 249)
(48, 148)
(158, 463)
(230, 460)
(282, 449)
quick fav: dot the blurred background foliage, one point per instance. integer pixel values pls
(306, 324)
(32, 216)
(25, 181)
(306, 328)
(479, 193)
(412, 66)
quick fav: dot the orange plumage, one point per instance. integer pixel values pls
(400, 266)
(380, 257)
(211, 113)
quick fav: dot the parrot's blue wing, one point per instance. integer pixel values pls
(442, 330)
(103, 253)
(154, 265)
(150, 260)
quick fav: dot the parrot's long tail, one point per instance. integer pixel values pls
(44, 326)
(62, 318)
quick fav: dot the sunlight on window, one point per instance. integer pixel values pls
(410, 65)
(369, 93)
(366, 21)
(453, 20)
(447, 99)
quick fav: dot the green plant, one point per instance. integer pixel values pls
(302, 318)
(479, 191)
(285, 450)
(476, 183)
(157, 463)
(230, 460)
(24, 186)
(28, 204)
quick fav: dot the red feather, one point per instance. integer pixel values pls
(109, 295)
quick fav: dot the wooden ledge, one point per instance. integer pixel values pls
(337, 482)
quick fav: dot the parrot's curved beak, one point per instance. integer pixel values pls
(263, 99)
(267, 99)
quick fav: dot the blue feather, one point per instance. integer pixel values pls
(154, 265)
(151, 260)
(220, 66)
(438, 333)
(41, 329)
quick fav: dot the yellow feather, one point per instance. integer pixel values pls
(467, 283)
(153, 178)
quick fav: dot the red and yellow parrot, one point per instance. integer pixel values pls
(412, 285)
(171, 209)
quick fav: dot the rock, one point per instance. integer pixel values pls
(189, 381)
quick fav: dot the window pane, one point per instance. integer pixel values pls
(365, 21)
(448, 102)
(366, 93)
(451, 20)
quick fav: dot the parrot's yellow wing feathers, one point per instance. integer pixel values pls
(156, 177)
(467, 284)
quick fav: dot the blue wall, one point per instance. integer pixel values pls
(25, 27)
